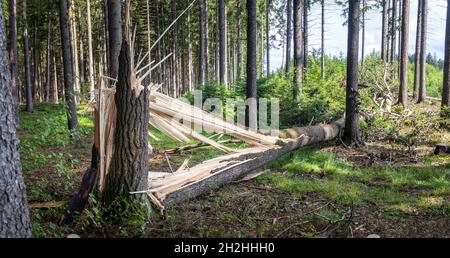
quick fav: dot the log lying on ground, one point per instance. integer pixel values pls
(183, 185)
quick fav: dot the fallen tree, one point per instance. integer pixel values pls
(189, 183)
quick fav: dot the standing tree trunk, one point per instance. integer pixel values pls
(298, 49)
(352, 131)
(26, 54)
(202, 62)
(114, 35)
(394, 31)
(305, 33)
(69, 92)
(417, 52)
(12, 50)
(36, 80)
(423, 53)
(149, 39)
(446, 87)
(129, 164)
(14, 214)
(251, 110)
(222, 45)
(322, 41)
(91, 52)
(403, 93)
(268, 2)
(288, 36)
(384, 34)
(49, 59)
(175, 51)
(239, 60)
(363, 38)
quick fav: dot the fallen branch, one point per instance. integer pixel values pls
(197, 145)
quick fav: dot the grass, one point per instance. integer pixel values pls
(306, 192)
(313, 170)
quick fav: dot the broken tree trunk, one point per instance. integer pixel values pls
(183, 185)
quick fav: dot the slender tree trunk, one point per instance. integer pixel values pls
(352, 131)
(175, 51)
(189, 56)
(222, 44)
(69, 92)
(202, 63)
(14, 214)
(49, 59)
(288, 36)
(149, 39)
(384, 34)
(446, 87)
(298, 49)
(363, 38)
(322, 40)
(54, 91)
(305, 33)
(251, 110)
(36, 49)
(403, 94)
(268, 3)
(423, 53)
(239, 40)
(81, 46)
(26, 54)
(76, 64)
(91, 52)
(129, 164)
(394, 31)
(12, 51)
(417, 52)
(115, 35)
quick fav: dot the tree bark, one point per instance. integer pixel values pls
(49, 59)
(288, 36)
(352, 131)
(446, 87)
(403, 94)
(129, 167)
(322, 40)
(394, 31)
(26, 54)
(251, 109)
(91, 52)
(175, 51)
(69, 92)
(114, 35)
(363, 38)
(423, 53)
(202, 62)
(239, 61)
(268, 3)
(384, 34)
(305, 33)
(14, 213)
(298, 49)
(13, 61)
(222, 45)
(417, 52)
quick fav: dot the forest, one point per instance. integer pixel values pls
(224, 118)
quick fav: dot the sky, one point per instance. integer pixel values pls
(336, 33)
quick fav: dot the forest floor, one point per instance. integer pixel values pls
(384, 188)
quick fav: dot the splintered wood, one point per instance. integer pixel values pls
(182, 121)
